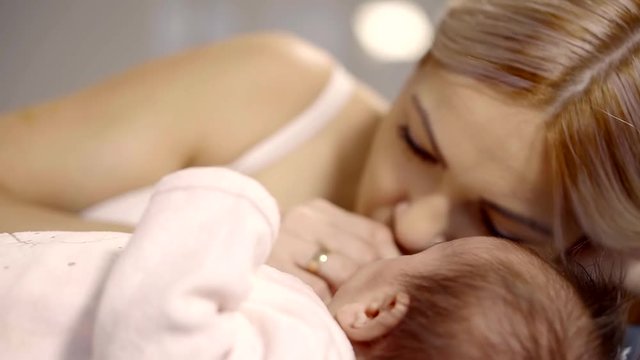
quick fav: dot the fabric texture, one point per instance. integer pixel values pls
(190, 283)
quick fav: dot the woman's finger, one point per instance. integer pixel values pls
(319, 286)
(284, 259)
(324, 244)
(377, 235)
(355, 249)
(307, 223)
(305, 255)
(335, 268)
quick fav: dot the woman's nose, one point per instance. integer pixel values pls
(421, 223)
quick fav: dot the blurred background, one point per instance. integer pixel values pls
(52, 47)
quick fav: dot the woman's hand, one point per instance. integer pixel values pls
(324, 245)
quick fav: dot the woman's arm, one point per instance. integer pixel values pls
(17, 215)
(202, 107)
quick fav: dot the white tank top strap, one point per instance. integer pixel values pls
(298, 131)
(128, 208)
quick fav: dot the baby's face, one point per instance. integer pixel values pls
(371, 282)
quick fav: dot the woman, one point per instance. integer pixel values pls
(522, 122)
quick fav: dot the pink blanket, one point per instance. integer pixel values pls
(189, 284)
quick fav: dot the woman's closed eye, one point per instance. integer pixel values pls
(414, 147)
(493, 229)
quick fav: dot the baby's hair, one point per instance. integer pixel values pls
(490, 307)
(601, 289)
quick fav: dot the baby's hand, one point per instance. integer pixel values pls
(324, 245)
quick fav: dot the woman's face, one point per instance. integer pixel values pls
(454, 159)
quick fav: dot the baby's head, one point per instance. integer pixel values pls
(480, 298)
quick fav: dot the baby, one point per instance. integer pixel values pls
(191, 284)
(477, 298)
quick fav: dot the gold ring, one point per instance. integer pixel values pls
(320, 257)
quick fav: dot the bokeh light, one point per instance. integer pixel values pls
(393, 30)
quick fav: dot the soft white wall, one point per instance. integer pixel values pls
(51, 47)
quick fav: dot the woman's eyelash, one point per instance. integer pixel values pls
(492, 229)
(423, 154)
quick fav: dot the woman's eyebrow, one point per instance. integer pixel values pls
(528, 222)
(426, 123)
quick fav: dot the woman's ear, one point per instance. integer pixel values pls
(369, 321)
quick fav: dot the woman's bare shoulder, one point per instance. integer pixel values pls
(203, 106)
(270, 78)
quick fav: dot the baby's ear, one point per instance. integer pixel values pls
(369, 321)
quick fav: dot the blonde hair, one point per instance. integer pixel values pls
(579, 60)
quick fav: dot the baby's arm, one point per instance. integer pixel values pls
(175, 290)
